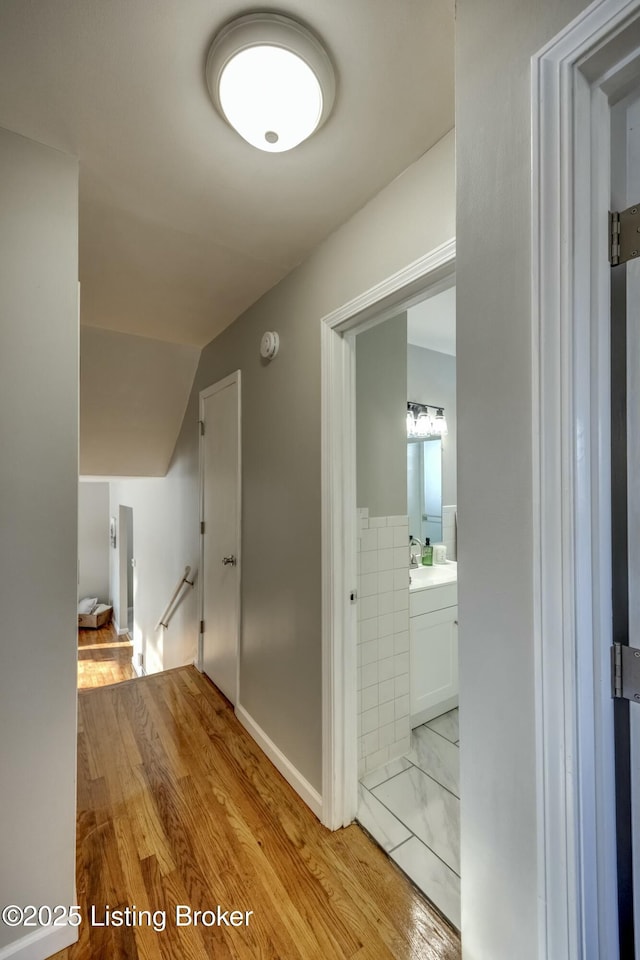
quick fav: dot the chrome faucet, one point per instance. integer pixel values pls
(413, 558)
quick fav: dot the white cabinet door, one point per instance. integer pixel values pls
(434, 664)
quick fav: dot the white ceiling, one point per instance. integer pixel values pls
(182, 224)
(432, 323)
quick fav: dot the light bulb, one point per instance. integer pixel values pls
(271, 97)
(423, 424)
(441, 423)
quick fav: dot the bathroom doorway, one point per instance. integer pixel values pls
(407, 645)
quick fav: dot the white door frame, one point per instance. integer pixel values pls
(572, 78)
(210, 391)
(123, 567)
(339, 671)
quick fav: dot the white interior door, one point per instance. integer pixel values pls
(220, 466)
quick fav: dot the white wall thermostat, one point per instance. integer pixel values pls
(269, 345)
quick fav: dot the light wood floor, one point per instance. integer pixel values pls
(103, 657)
(177, 805)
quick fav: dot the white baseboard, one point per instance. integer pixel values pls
(42, 943)
(302, 787)
(122, 630)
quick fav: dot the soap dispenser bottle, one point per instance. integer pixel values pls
(427, 553)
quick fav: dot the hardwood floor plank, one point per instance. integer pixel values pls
(165, 892)
(146, 938)
(126, 733)
(169, 735)
(150, 837)
(177, 805)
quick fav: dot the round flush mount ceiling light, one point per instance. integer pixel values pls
(271, 80)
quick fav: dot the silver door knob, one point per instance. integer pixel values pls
(229, 560)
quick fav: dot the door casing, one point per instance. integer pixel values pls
(339, 696)
(576, 78)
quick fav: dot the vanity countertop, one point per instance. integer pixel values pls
(426, 578)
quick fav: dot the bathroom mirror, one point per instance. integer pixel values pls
(424, 481)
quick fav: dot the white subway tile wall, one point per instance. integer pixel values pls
(450, 531)
(383, 639)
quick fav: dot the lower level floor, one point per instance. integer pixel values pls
(104, 657)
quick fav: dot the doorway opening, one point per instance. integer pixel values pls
(407, 649)
(105, 651)
(126, 518)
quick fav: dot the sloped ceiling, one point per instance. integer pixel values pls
(182, 224)
(133, 395)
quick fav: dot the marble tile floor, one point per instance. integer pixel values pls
(411, 807)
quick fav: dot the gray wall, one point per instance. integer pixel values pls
(165, 540)
(93, 540)
(431, 378)
(494, 43)
(133, 394)
(280, 670)
(381, 418)
(38, 520)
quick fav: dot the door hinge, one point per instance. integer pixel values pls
(625, 672)
(201, 422)
(202, 626)
(624, 235)
(202, 526)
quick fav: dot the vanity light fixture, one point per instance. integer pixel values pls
(271, 79)
(423, 425)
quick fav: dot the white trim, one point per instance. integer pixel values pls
(572, 593)
(121, 631)
(403, 281)
(339, 667)
(42, 943)
(339, 697)
(233, 378)
(293, 777)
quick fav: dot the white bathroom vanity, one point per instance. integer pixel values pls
(433, 626)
